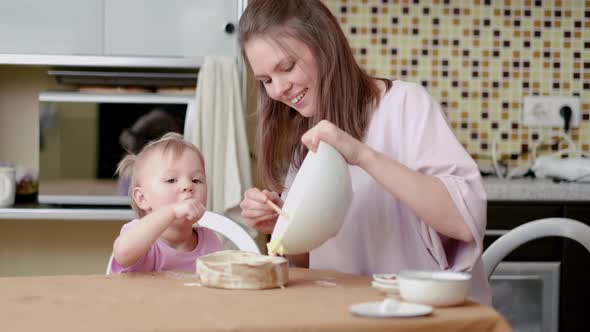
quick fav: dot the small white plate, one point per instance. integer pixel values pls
(390, 308)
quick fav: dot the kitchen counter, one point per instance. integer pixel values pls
(53, 212)
(536, 190)
(496, 189)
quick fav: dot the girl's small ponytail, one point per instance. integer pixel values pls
(125, 166)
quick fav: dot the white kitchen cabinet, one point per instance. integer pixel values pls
(72, 27)
(118, 29)
(170, 28)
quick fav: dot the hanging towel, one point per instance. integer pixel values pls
(215, 124)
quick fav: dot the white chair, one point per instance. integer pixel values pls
(532, 230)
(224, 226)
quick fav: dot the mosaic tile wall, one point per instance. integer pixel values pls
(478, 58)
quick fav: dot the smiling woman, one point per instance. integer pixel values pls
(289, 76)
(418, 202)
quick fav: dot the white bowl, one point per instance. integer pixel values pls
(435, 288)
(386, 289)
(385, 278)
(316, 204)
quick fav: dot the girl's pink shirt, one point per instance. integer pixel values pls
(161, 257)
(381, 235)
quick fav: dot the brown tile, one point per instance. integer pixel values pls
(516, 60)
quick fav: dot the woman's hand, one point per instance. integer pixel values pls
(349, 147)
(256, 212)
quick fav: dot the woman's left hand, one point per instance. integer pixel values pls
(349, 147)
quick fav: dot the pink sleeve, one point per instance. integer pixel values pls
(145, 264)
(432, 148)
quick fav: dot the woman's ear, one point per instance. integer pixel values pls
(140, 199)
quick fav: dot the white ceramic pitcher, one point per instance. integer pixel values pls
(7, 186)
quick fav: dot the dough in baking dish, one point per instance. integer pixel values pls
(242, 270)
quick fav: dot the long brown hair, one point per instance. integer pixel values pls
(346, 93)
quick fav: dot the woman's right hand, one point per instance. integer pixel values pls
(256, 212)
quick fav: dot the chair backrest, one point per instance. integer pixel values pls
(224, 226)
(536, 229)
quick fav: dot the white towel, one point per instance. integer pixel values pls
(216, 125)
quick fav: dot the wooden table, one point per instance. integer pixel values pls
(313, 301)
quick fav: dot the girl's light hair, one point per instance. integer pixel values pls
(171, 143)
(346, 93)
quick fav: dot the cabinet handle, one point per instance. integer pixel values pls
(229, 28)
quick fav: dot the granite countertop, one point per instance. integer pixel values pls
(518, 190)
(33, 211)
(536, 190)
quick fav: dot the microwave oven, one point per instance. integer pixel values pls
(84, 135)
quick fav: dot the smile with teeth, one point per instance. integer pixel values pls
(298, 98)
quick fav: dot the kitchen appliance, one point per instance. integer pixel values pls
(569, 169)
(80, 142)
(527, 295)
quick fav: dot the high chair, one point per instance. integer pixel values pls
(224, 226)
(532, 230)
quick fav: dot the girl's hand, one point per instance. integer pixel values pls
(256, 212)
(349, 147)
(190, 210)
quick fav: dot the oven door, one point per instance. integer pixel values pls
(527, 294)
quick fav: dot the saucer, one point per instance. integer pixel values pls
(389, 308)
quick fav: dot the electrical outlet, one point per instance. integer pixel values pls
(544, 111)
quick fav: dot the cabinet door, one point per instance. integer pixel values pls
(575, 292)
(510, 214)
(506, 215)
(51, 27)
(170, 28)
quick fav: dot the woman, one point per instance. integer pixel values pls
(418, 202)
